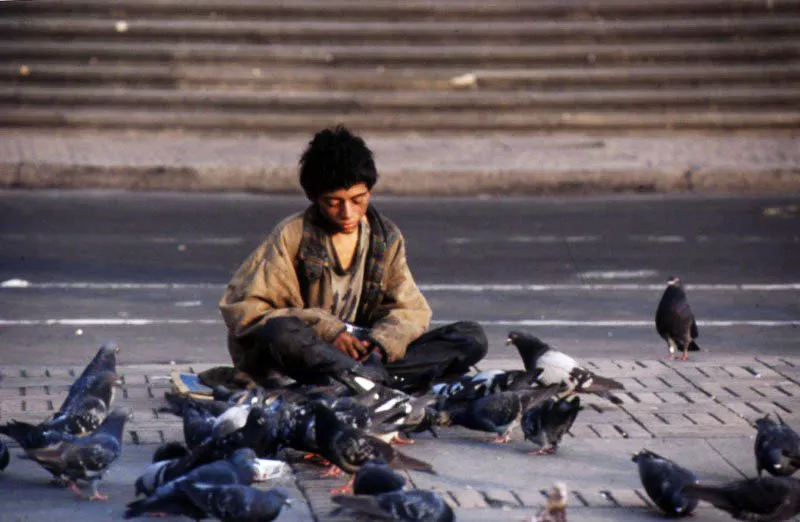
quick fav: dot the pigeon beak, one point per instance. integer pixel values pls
(509, 341)
(118, 383)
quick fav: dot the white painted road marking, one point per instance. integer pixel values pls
(21, 284)
(113, 321)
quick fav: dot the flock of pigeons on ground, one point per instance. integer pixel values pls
(350, 425)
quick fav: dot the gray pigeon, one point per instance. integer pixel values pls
(5, 456)
(88, 407)
(198, 425)
(236, 503)
(546, 424)
(555, 367)
(777, 447)
(663, 481)
(348, 448)
(497, 413)
(416, 505)
(85, 417)
(170, 450)
(470, 387)
(764, 499)
(376, 476)
(84, 458)
(675, 321)
(105, 360)
(166, 496)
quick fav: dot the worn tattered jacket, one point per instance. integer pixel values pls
(282, 276)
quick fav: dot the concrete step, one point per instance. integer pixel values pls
(118, 51)
(419, 102)
(324, 78)
(351, 32)
(408, 9)
(542, 121)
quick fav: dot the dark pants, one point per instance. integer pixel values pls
(288, 346)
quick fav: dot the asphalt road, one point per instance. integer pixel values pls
(147, 269)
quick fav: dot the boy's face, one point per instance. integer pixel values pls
(344, 208)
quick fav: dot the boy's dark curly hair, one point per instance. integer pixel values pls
(336, 159)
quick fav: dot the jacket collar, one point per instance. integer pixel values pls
(313, 256)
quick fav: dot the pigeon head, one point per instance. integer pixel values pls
(114, 424)
(244, 456)
(636, 457)
(244, 461)
(764, 422)
(557, 496)
(530, 348)
(673, 280)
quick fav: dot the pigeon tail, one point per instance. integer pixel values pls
(5, 457)
(602, 384)
(693, 347)
(401, 460)
(711, 494)
(26, 435)
(610, 397)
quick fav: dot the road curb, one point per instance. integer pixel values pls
(411, 182)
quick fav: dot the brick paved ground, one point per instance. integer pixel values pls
(699, 414)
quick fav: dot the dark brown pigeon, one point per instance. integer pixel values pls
(765, 499)
(675, 320)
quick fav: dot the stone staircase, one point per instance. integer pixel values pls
(445, 66)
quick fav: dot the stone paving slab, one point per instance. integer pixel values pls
(410, 165)
(701, 426)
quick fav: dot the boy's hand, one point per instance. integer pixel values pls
(350, 345)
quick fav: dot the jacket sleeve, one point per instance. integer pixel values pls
(266, 286)
(403, 314)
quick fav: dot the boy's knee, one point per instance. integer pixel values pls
(280, 331)
(478, 345)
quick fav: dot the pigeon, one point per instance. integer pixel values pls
(497, 413)
(556, 508)
(198, 425)
(230, 420)
(556, 367)
(375, 476)
(85, 458)
(81, 418)
(416, 505)
(86, 410)
(546, 424)
(414, 416)
(260, 433)
(764, 499)
(165, 496)
(675, 320)
(170, 450)
(235, 503)
(348, 448)
(5, 456)
(88, 385)
(777, 447)
(470, 387)
(663, 480)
